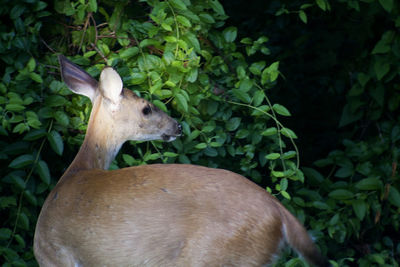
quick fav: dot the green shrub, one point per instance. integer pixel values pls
(178, 54)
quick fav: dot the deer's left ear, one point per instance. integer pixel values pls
(110, 84)
(77, 80)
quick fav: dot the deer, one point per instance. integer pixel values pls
(156, 214)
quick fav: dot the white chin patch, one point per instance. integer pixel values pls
(167, 138)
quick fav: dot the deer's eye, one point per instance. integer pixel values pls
(146, 110)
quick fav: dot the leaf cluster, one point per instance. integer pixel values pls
(177, 53)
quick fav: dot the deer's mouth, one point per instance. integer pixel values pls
(168, 138)
(172, 137)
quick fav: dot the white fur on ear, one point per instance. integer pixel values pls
(110, 84)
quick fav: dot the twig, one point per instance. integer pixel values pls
(100, 53)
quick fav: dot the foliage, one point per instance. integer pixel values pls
(176, 53)
(340, 60)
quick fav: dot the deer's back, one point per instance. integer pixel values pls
(160, 215)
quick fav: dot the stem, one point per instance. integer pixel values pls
(26, 181)
(276, 121)
(177, 28)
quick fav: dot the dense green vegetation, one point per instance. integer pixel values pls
(303, 95)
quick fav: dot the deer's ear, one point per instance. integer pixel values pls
(110, 84)
(77, 80)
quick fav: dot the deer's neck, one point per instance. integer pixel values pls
(101, 143)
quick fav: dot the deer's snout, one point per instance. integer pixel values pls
(178, 129)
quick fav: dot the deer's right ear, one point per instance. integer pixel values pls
(77, 80)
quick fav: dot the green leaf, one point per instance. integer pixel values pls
(321, 4)
(61, 118)
(246, 85)
(344, 172)
(43, 171)
(212, 107)
(178, 4)
(382, 47)
(18, 181)
(303, 16)
(23, 221)
(155, 87)
(242, 133)
(277, 174)
(183, 21)
(243, 96)
(288, 155)
(165, 26)
(136, 78)
(360, 208)
(3, 131)
(6, 202)
(128, 159)
(170, 154)
(246, 40)
(387, 5)
(55, 101)
(364, 168)
(20, 128)
(341, 194)
(394, 196)
(36, 77)
(170, 39)
(284, 184)
(381, 68)
(17, 11)
(321, 205)
(314, 175)
(230, 34)
(129, 52)
(160, 105)
(281, 110)
(288, 133)
(201, 146)
(349, 115)
(363, 78)
(232, 124)
(285, 194)
(270, 131)
(273, 156)
(257, 67)
(93, 6)
(18, 238)
(207, 18)
(150, 42)
(270, 74)
(21, 161)
(5, 233)
(217, 7)
(31, 64)
(56, 142)
(181, 102)
(192, 76)
(14, 107)
(192, 40)
(211, 152)
(258, 98)
(30, 197)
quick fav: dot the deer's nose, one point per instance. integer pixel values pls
(178, 129)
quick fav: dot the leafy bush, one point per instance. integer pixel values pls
(176, 53)
(339, 61)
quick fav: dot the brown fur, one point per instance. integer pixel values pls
(155, 215)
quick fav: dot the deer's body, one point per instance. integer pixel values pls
(155, 215)
(213, 218)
